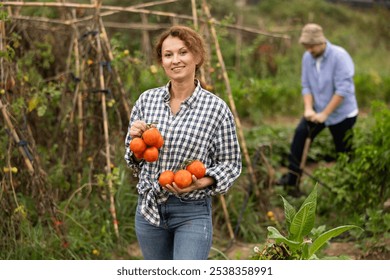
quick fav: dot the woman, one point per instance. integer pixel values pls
(174, 223)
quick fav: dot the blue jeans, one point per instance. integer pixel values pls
(185, 231)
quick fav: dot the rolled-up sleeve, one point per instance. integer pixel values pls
(305, 79)
(344, 84)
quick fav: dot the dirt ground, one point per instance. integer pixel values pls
(244, 251)
(345, 250)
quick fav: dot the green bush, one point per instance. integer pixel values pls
(361, 182)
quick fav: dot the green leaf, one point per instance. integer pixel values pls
(273, 233)
(312, 197)
(289, 212)
(303, 222)
(323, 238)
(33, 103)
(305, 250)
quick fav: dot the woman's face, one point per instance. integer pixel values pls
(178, 61)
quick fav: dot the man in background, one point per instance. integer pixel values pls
(329, 99)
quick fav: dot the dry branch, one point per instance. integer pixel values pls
(137, 26)
(80, 6)
(133, 9)
(39, 19)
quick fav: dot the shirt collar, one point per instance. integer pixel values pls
(323, 56)
(190, 101)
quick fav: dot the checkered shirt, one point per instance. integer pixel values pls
(202, 129)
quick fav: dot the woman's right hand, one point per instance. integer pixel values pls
(137, 128)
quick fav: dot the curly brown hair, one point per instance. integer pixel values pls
(193, 41)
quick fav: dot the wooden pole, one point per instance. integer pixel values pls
(16, 138)
(2, 47)
(146, 45)
(14, 134)
(227, 218)
(240, 4)
(78, 80)
(104, 37)
(229, 93)
(196, 27)
(194, 14)
(105, 123)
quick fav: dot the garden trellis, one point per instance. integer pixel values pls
(94, 75)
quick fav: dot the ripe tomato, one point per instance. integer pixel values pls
(151, 154)
(137, 145)
(139, 155)
(160, 142)
(182, 178)
(151, 136)
(166, 178)
(197, 168)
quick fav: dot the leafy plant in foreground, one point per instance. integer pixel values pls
(298, 243)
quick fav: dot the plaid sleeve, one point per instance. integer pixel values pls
(227, 164)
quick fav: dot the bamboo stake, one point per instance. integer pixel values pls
(105, 125)
(194, 14)
(231, 99)
(196, 26)
(80, 124)
(222, 198)
(79, 100)
(77, 97)
(104, 37)
(146, 40)
(227, 218)
(229, 93)
(16, 138)
(2, 42)
(4, 112)
(240, 4)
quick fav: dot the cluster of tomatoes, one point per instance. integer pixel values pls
(147, 147)
(183, 177)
